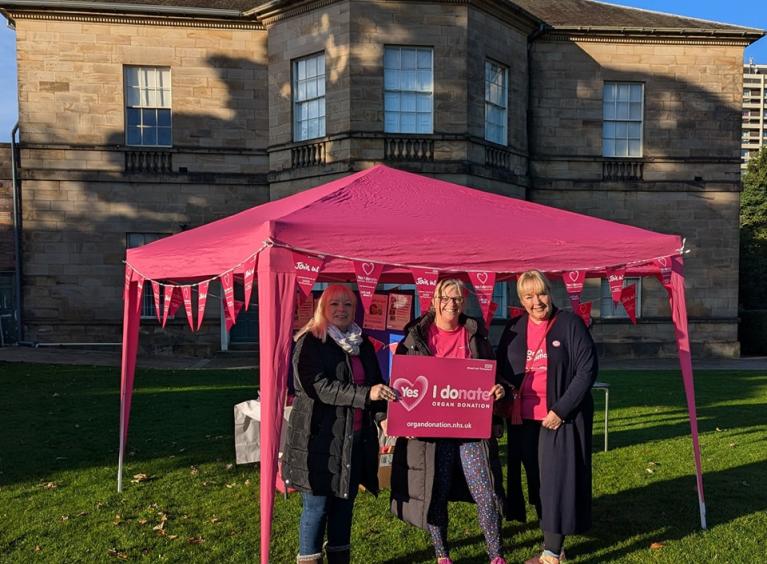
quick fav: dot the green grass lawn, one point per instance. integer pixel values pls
(58, 460)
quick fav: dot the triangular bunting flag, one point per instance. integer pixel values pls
(228, 319)
(156, 295)
(664, 266)
(368, 274)
(202, 298)
(483, 283)
(186, 295)
(169, 293)
(227, 285)
(377, 345)
(247, 279)
(584, 312)
(574, 285)
(629, 301)
(307, 270)
(425, 282)
(615, 279)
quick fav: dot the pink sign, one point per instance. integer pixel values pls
(441, 397)
(186, 294)
(368, 274)
(515, 311)
(574, 284)
(227, 285)
(664, 265)
(156, 294)
(483, 283)
(247, 279)
(425, 282)
(615, 279)
(584, 312)
(307, 270)
(629, 301)
(202, 298)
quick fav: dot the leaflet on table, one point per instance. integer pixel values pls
(441, 397)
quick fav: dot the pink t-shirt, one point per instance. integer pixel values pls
(534, 386)
(358, 377)
(448, 344)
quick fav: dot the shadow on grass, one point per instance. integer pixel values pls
(57, 418)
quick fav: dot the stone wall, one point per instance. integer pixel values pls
(691, 173)
(6, 210)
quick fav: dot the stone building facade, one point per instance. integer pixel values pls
(232, 73)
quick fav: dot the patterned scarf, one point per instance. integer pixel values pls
(349, 340)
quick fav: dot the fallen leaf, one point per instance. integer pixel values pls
(650, 470)
(247, 482)
(37, 548)
(142, 521)
(214, 520)
(49, 485)
(117, 554)
(656, 546)
(65, 517)
(732, 445)
(82, 514)
(229, 466)
(117, 520)
(195, 540)
(160, 532)
(194, 471)
(172, 537)
(718, 430)
(230, 486)
(137, 478)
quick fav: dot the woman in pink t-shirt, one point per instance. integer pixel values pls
(549, 356)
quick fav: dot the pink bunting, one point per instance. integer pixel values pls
(307, 270)
(393, 348)
(167, 299)
(377, 345)
(250, 271)
(629, 301)
(615, 279)
(228, 319)
(186, 295)
(139, 292)
(483, 283)
(368, 274)
(664, 265)
(490, 313)
(202, 297)
(425, 283)
(227, 284)
(156, 294)
(574, 284)
(515, 311)
(584, 312)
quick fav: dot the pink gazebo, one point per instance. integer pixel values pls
(399, 222)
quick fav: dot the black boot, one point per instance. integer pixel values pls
(342, 556)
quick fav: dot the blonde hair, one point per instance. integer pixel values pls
(445, 283)
(318, 324)
(540, 284)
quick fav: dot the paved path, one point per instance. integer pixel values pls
(239, 360)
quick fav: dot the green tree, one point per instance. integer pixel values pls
(753, 234)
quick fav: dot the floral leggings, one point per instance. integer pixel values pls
(476, 470)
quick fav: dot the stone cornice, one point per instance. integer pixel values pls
(274, 11)
(652, 36)
(166, 21)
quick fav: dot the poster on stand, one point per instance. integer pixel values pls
(399, 311)
(375, 315)
(303, 313)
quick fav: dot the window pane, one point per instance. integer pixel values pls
(133, 117)
(321, 86)
(623, 92)
(163, 98)
(311, 67)
(622, 110)
(424, 123)
(163, 136)
(321, 108)
(424, 80)
(131, 76)
(609, 92)
(620, 130)
(408, 59)
(391, 58)
(609, 110)
(408, 80)
(163, 118)
(608, 130)
(149, 136)
(311, 89)
(408, 122)
(608, 147)
(301, 69)
(423, 103)
(132, 96)
(636, 110)
(391, 79)
(391, 122)
(635, 148)
(149, 117)
(164, 79)
(408, 102)
(150, 78)
(424, 58)
(301, 91)
(621, 148)
(321, 64)
(636, 93)
(391, 102)
(133, 136)
(634, 130)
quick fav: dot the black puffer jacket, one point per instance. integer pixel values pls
(318, 450)
(414, 460)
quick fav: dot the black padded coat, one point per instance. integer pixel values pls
(318, 450)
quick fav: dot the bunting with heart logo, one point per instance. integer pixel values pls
(574, 285)
(202, 298)
(227, 285)
(171, 303)
(186, 295)
(615, 278)
(247, 279)
(515, 311)
(139, 291)
(583, 310)
(230, 320)
(664, 265)
(368, 274)
(156, 295)
(629, 301)
(483, 283)
(307, 270)
(425, 282)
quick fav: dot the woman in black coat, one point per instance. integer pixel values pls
(549, 357)
(332, 441)
(426, 473)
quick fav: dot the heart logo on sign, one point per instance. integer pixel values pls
(574, 276)
(368, 267)
(410, 394)
(662, 261)
(482, 277)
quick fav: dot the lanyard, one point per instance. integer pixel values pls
(549, 325)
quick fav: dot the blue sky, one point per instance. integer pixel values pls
(750, 13)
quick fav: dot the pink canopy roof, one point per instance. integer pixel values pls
(399, 218)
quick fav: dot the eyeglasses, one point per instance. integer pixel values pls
(444, 300)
